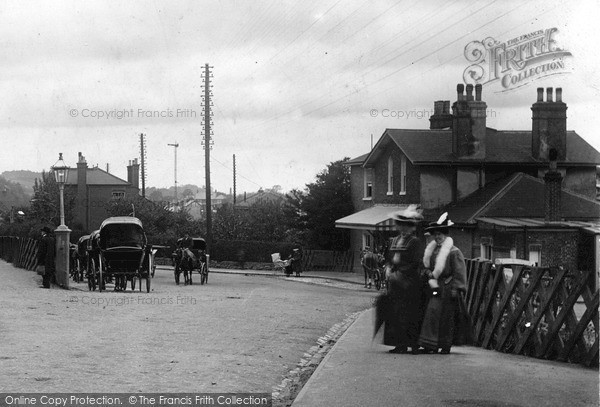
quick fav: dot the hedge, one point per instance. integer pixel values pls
(255, 251)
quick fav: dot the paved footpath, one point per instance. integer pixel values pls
(360, 372)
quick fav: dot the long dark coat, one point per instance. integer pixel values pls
(402, 322)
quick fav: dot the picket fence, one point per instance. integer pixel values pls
(22, 252)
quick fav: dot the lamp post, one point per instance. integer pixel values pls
(62, 232)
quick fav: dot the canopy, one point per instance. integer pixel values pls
(373, 218)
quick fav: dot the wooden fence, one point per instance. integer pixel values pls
(327, 260)
(541, 312)
(21, 252)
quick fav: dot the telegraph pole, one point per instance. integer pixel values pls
(143, 159)
(207, 142)
(234, 192)
(176, 144)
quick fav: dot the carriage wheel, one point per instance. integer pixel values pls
(101, 286)
(377, 280)
(203, 274)
(147, 283)
(92, 276)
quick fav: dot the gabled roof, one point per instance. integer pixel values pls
(502, 147)
(519, 196)
(95, 176)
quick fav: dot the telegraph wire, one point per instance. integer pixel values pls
(359, 89)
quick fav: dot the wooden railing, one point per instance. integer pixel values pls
(541, 312)
(21, 252)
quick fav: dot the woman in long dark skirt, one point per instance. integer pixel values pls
(447, 279)
(403, 320)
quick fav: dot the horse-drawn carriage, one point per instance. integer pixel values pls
(78, 256)
(190, 255)
(119, 252)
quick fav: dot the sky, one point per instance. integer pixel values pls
(296, 84)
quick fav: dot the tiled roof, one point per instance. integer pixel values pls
(263, 196)
(358, 160)
(95, 176)
(519, 196)
(502, 147)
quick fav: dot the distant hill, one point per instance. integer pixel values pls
(23, 177)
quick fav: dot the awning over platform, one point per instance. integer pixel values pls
(374, 218)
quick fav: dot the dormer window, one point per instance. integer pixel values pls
(390, 176)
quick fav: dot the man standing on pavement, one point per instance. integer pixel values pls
(46, 256)
(370, 262)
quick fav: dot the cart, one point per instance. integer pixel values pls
(124, 254)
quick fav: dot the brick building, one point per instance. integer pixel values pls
(526, 194)
(94, 188)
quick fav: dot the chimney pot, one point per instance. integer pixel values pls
(478, 88)
(548, 94)
(559, 94)
(540, 95)
(460, 88)
(469, 92)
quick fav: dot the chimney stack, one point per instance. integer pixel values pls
(82, 198)
(441, 118)
(549, 126)
(552, 190)
(469, 123)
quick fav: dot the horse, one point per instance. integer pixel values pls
(183, 261)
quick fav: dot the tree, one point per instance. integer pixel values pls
(161, 225)
(313, 212)
(45, 204)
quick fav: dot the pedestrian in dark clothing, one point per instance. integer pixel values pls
(403, 267)
(447, 275)
(297, 262)
(370, 262)
(47, 255)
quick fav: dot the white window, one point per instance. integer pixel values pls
(390, 177)
(486, 248)
(403, 175)
(367, 240)
(535, 253)
(368, 183)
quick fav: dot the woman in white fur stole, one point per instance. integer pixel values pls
(447, 278)
(402, 322)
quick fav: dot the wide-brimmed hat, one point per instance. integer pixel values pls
(441, 225)
(46, 229)
(409, 216)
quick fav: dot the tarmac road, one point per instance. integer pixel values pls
(237, 334)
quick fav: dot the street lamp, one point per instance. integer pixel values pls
(62, 232)
(61, 171)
